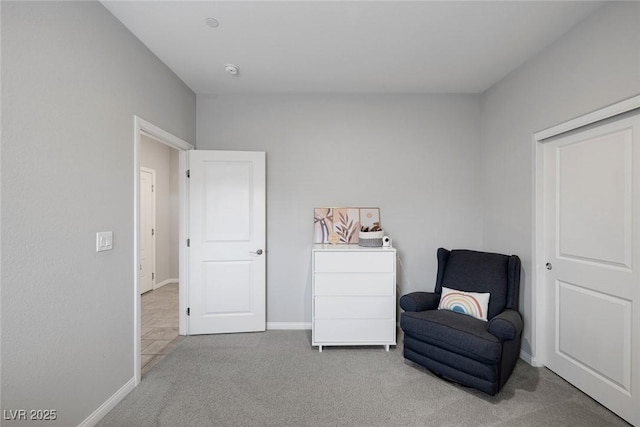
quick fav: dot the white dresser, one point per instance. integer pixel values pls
(354, 296)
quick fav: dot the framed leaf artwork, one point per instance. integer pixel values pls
(342, 224)
(346, 224)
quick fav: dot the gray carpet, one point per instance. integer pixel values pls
(275, 378)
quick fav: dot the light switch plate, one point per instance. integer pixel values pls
(104, 241)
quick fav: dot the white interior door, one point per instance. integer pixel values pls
(227, 233)
(592, 247)
(147, 229)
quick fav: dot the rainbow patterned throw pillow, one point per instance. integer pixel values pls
(470, 303)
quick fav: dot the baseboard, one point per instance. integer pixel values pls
(288, 325)
(530, 359)
(99, 413)
(165, 282)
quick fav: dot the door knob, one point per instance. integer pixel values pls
(258, 252)
(548, 266)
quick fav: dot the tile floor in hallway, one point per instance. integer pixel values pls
(159, 325)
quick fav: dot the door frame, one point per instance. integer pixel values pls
(143, 127)
(153, 222)
(538, 307)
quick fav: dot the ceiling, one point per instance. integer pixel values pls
(347, 46)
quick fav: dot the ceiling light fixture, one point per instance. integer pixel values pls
(232, 69)
(212, 22)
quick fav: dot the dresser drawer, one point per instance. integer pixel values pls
(354, 331)
(354, 308)
(354, 283)
(364, 261)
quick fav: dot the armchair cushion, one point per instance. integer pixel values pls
(419, 301)
(455, 332)
(506, 325)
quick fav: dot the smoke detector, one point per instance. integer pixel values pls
(232, 69)
(212, 22)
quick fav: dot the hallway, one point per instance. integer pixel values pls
(159, 325)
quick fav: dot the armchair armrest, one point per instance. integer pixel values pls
(506, 325)
(419, 301)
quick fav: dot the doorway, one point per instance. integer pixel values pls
(144, 130)
(159, 226)
(159, 282)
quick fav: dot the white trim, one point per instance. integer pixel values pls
(601, 114)
(183, 254)
(109, 404)
(143, 127)
(272, 326)
(530, 359)
(153, 131)
(539, 310)
(165, 282)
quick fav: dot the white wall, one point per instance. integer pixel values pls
(415, 157)
(72, 79)
(157, 156)
(594, 65)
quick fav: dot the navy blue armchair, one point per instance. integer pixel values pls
(472, 352)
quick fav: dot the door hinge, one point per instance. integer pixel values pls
(188, 243)
(188, 311)
(153, 188)
(153, 276)
(153, 232)
(188, 173)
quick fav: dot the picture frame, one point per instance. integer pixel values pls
(342, 224)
